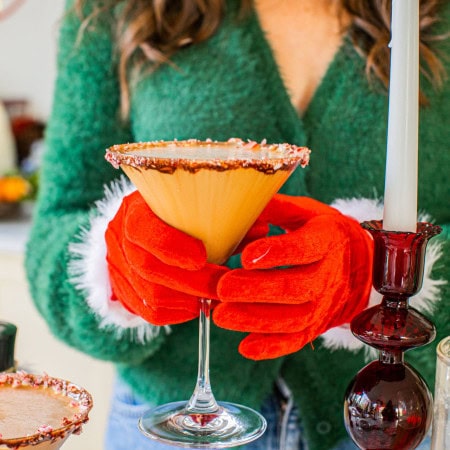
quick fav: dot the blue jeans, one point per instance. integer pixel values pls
(284, 431)
(122, 432)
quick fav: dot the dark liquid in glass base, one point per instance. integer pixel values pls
(388, 406)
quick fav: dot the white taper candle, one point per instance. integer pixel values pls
(400, 195)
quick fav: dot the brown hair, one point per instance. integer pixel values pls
(153, 30)
(371, 33)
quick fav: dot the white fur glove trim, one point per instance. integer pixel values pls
(89, 270)
(367, 209)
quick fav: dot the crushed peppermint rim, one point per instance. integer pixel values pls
(80, 399)
(193, 155)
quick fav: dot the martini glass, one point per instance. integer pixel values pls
(40, 412)
(213, 191)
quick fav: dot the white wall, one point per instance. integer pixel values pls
(28, 40)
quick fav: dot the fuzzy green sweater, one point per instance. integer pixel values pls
(227, 86)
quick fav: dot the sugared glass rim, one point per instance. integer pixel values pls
(443, 350)
(261, 156)
(64, 388)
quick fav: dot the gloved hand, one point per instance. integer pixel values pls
(157, 271)
(295, 286)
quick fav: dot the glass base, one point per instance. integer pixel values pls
(230, 426)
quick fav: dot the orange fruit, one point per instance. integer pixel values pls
(13, 188)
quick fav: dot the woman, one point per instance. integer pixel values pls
(307, 72)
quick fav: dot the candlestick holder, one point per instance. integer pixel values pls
(388, 404)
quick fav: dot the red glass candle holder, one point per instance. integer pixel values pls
(388, 404)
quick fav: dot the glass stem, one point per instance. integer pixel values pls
(202, 400)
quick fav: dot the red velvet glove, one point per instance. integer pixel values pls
(157, 271)
(295, 286)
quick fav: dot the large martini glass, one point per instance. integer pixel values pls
(213, 191)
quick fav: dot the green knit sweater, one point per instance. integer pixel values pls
(227, 86)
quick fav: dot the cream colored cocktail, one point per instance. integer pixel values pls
(213, 191)
(40, 412)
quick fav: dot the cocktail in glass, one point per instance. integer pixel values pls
(213, 191)
(40, 412)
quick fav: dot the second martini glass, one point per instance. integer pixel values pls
(40, 412)
(213, 191)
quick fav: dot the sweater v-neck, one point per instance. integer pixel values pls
(299, 119)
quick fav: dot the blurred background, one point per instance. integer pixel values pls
(28, 38)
